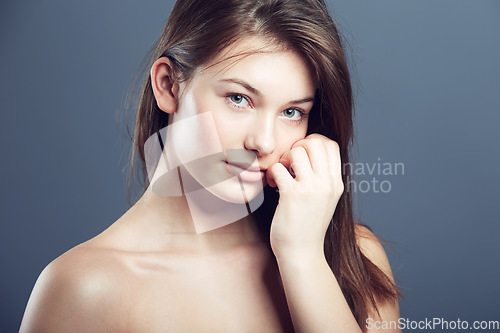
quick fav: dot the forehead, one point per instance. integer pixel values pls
(263, 64)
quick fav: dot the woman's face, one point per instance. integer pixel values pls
(238, 116)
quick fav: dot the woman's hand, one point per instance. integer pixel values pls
(308, 201)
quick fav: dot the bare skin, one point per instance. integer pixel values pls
(188, 284)
(112, 283)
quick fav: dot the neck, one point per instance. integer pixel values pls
(192, 224)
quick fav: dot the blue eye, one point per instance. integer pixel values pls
(239, 100)
(292, 114)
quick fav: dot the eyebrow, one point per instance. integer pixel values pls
(258, 93)
(244, 84)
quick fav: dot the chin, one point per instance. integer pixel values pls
(223, 203)
(236, 191)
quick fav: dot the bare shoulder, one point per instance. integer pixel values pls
(371, 247)
(76, 290)
(388, 312)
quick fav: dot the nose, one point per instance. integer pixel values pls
(260, 135)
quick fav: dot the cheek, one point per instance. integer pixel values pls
(231, 129)
(220, 129)
(194, 133)
(286, 139)
(227, 136)
(194, 137)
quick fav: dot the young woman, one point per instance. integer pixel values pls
(245, 223)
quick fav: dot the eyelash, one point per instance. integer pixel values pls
(303, 115)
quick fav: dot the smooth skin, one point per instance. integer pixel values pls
(150, 272)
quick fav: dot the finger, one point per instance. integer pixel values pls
(298, 162)
(335, 163)
(278, 175)
(315, 147)
(269, 179)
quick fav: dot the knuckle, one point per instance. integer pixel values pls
(317, 140)
(341, 187)
(298, 151)
(274, 168)
(334, 144)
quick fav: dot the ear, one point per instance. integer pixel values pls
(164, 87)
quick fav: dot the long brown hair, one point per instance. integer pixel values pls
(197, 30)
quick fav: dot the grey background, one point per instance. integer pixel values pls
(427, 84)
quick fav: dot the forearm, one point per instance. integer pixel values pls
(314, 297)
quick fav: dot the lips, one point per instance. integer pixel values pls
(247, 173)
(248, 167)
